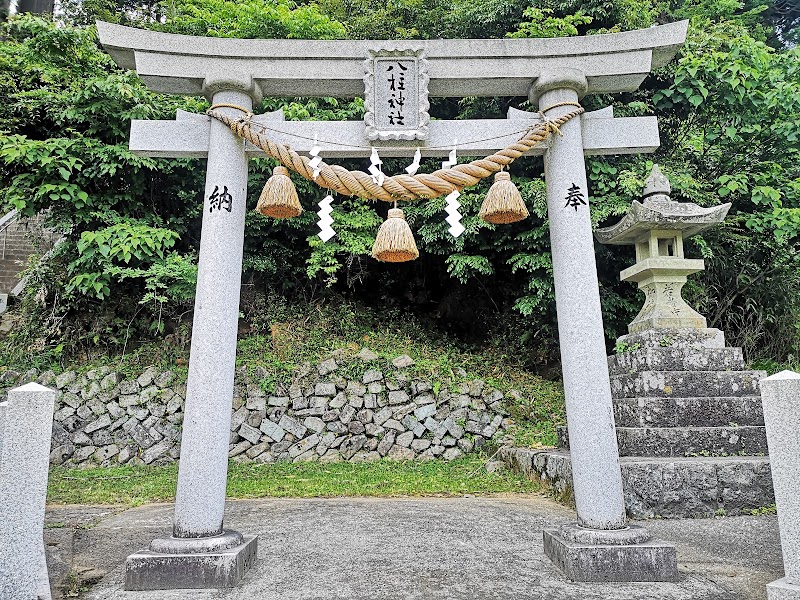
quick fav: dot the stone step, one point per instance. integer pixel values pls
(664, 487)
(17, 234)
(692, 441)
(17, 239)
(686, 441)
(15, 258)
(21, 237)
(17, 247)
(686, 384)
(14, 242)
(676, 359)
(12, 260)
(685, 412)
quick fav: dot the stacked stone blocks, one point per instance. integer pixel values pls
(103, 419)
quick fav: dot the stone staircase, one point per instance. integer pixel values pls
(19, 239)
(690, 431)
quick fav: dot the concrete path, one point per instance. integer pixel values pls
(485, 548)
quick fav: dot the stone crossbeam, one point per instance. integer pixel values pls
(178, 64)
(187, 136)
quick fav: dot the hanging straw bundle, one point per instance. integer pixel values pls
(503, 203)
(279, 196)
(395, 242)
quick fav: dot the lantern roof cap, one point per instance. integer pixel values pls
(658, 211)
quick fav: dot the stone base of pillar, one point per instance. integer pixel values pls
(628, 554)
(175, 563)
(781, 589)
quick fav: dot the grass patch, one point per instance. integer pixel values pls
(770, 509)
(133, 486)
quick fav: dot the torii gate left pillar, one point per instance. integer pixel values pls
(200, 552)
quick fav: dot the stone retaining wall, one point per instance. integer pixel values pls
(377, 411)
(667, 488)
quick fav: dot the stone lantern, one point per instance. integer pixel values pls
(656, 227)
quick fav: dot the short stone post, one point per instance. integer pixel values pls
(780, 396)
(600, 547)
(3, 410)
(26, 425)
(200, 554)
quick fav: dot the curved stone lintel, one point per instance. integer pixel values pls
(178, 64)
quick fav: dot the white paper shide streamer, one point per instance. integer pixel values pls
(315, 162)
(326, 232)
(453, 216)
(452, 160)
(375, 168)
(414, 166)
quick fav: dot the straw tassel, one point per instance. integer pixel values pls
(279, 197)
(503, 203)
(395, 242)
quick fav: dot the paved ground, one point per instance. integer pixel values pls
(416, 549)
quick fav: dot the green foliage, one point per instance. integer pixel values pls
(63, 153)
(395, 19)
(730, 111)
(355, 222)
(127, 251)
(624, 348)
(101, 254)
(248, 19)
(769, 509)
(542, 23)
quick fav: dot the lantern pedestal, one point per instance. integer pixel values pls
(662, 279)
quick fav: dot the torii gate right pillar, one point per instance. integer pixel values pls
(601, 546)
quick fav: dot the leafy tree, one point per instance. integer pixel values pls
(249, 19)
(543, 24)
(727, 108)
(730, 111)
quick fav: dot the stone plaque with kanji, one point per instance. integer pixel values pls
(396, 95)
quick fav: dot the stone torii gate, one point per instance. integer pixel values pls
(601, 545)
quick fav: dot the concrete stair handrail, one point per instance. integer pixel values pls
(5, 222)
